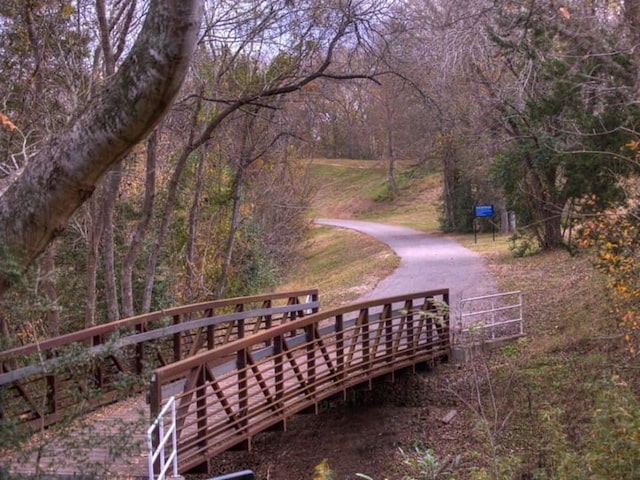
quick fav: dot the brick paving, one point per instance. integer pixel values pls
(108, 443)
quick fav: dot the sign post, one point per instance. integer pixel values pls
(481, 211)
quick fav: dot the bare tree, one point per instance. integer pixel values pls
(136, 240)
(259, 69)
(36, 206)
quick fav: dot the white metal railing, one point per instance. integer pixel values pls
(491, 316)
(163, 437)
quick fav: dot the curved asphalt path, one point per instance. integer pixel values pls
(427, 262)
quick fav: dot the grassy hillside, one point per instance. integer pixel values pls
(359, 189)
(558, 404)
(343, 263)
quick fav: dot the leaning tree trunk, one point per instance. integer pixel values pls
(172, 196)
(135, 243)
(449, 185)
(37, 205)
(191, 292)
(544, 205)
(391, 152)
(108, 242)
(93, 224)
(551, 227)
(234, 223)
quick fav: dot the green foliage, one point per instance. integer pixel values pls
(74, 433)
(613, 239)
(253, 268)
(568, 90)
(505, 468)
(58, 52)
(283, 64)
(523, 245)
(10, 270)
(10, 434)
(322, 471)
(610, 446)
(404, 178)
(425, 465)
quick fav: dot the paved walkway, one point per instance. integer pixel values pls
(108, 443)
(427, 262)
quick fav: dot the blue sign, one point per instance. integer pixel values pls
(483, 210)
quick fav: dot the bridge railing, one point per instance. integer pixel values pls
(43, 382)
(227, 395)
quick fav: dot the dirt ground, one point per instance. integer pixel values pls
(361, 435)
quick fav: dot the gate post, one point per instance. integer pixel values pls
(155, 405)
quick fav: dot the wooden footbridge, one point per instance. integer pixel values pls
(233, 367)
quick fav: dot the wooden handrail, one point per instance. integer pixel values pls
(38, 374)
(229, 394)
(172, 371)
(111, 327)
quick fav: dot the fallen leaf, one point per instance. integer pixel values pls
(4, 120)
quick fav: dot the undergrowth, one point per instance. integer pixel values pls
(560, 404)
(563, 402)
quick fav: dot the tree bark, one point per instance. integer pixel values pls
(632, 16)
(126, 273)
(36, 207)
(48, 285)
(391, 151)
(449, 184)
(234, 222)
(94, 234)
(108, 242)
(172, 195)
(192, 267)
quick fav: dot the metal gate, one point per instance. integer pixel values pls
(165, 452)
(490, 318)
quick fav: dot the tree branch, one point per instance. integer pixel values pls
(63, 174)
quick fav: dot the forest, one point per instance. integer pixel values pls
(155, 153)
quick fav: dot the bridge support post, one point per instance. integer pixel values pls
(388, 332)
(155, 405)
(243, 393)
(428, 307)
(140, 328)
(446, 332)
(310, 331)
(340, 347)
(268, 320)
(52, 392)
(201, 407)
(177, 340)
(278, 368)
(408, 319)
(363, 320)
